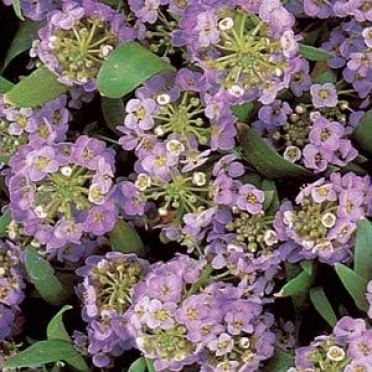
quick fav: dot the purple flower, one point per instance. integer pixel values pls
(41, 162)
(324, 95)
(326, 134)
(221, 345)
(320, 9)
(139, 113)
(250, 199)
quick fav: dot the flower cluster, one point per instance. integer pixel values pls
(60, 191)
(36, 9)
(107, 292)
(246, 50)
(350, 45)
(323, 219)
(177, 109)
(44, 125)
(78, 38)
(348, 348)
(11, 289)
(180, 317)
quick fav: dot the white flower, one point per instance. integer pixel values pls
(236, 90)
(328, 220)
(270, 237)
(199, 179)
(288, 217)
(66, 171)
(39, 211)
(292, 154)
(226, 24)
(163, 99)
(336, 354)
(143, 181)
(175, 147)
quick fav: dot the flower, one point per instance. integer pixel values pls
(106, 292)
(60, 191)
(323, 220)
(77, 39)
(323, 95)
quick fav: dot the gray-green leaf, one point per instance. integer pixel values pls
(265, 159)
(363, 132)
(5, 220)
(42, 277)
(23, 39)
(354, 284)
(363, 249)
(280, 362)
(5, 85)
(125, 239)
(322, 305)
(313, 54)
(36, 89)
(42, 352)
(127, 67)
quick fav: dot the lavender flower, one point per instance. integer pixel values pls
(177, 112)
(77, 39)
(107, 292)
(341, 351)
(35, 10)
(323, 221)
(314, 138)
(59, 192)
(187, 321)
(323, 95)
(11, 289)
(44, 125)
(220, 38)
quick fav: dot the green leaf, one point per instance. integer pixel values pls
(313, 54)
(363, 132)
(321, 303)
(354, 284)
(5, 220)
(270, 186)
(42, 277)
(36, 89)
(127, 67)
(150, 365)
(139, 365)
(26, 34)
(5, 85)
(265, 159)
(363, 249)
(42, 352)
(307, 266)
(326, 76)
(113, 112)
(280, 362)
(296, 286)
(124, 238)
(17, 9)
(243, 112)
(56, 328)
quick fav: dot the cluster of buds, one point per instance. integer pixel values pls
(314, 135)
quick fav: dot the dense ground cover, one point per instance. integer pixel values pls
(186, 185)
